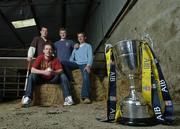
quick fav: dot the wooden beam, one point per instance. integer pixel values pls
(34, 15)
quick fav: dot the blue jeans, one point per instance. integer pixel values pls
(35, 79)
(69, 73)
(69, 66)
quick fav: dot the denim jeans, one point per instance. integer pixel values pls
(68, 73)
(69, 66)
(35, 79)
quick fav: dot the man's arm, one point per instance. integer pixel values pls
(72, 56)
(42, 72)
(90, 55)
(58, 71)
(31, 53)
(45, 72)
(32, 49)
(90, 59)
(76, 45)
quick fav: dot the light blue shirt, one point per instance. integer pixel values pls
(82, 55)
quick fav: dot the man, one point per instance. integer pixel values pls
(37, 45)
(46, 68)
(64, 48)
(82, 58)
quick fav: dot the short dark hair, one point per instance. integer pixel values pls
(62, 29)
(44, 27)
(48, 43)
(82, 33)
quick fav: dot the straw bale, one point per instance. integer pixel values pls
(51, 94)
(48, 95)
(97, 89)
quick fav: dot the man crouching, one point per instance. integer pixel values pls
(46, 68)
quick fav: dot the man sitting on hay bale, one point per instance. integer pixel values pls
(46, 68)
(81, 58)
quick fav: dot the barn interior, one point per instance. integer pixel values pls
(103, 21)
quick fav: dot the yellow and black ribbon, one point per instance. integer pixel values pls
(158, 96)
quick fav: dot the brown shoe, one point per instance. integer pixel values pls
(86, 101)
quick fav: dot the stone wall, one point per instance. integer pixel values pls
(160, 19)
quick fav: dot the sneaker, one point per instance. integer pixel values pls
(68, 101)
(25, 100)
(86, 101)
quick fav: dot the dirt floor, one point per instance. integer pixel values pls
(78, 116)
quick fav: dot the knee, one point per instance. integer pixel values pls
(63, 76)
(85, 75)
(64, 63)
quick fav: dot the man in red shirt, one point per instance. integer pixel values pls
(46, 68)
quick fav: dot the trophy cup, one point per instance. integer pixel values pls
(134, 109)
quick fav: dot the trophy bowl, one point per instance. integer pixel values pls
(133, 107)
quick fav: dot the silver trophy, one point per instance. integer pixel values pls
(133, 107)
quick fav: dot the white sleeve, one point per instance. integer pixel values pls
(31, 52)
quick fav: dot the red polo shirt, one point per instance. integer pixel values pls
(41, 63)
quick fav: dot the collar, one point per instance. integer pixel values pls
(62, 39)
(44, 39)
(82, 44)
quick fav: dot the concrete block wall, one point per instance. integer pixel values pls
(160, 19)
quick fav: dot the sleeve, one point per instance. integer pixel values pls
(31, 51)
(55, 49)
(72, 45)
(34, 42)
(37, 62)
(72, 56)
(90, 55)
(32, 48)
(57, 65)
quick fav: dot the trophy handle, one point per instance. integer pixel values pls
(146, 37)
(107, 46)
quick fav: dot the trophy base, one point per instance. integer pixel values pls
(138, 121)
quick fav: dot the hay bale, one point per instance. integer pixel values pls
(51, 94)
(97, 89)
(48, 95)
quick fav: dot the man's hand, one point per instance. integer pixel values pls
(50, 71)
(47, 73)
(76, 45)
(87, 68)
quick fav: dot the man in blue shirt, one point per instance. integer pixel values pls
(81, 58)
(64, 48)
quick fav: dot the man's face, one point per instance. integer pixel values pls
(44, 32)
(81, 38)
(63, 34)
(47, 50)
